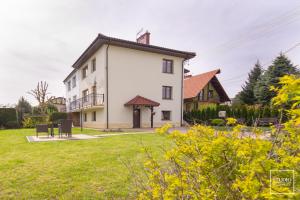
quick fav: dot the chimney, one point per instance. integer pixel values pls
(144, 39)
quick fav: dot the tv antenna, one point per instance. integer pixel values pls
(139, 32)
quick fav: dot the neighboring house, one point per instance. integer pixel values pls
(203, 90)
(59, 103)
(118, 83)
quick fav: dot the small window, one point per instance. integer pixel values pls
(165, 115)
(210, 94)
(84, 72)
(74, 81)
(168, 66)
(69, 85)
(85, 117)
(201, 95)
(74, 98)
(94, 116)
(167, 92)
(94, 65)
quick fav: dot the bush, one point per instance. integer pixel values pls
(32, 121)
(209, 164)
(6, 115)
(12, 124)
(217, 122)
(56, 116)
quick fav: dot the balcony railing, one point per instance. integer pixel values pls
(88, 101)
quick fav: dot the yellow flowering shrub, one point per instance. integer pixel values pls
(209, 164)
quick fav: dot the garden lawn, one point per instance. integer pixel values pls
(84, 169)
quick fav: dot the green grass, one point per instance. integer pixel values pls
(85, 169)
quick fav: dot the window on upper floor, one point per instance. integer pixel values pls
(84, 72)
(167, 92)
(74, 81)
(167, 66)
(74, 98)
(201, 95)
(165, 115)
(69, 85)
(210, 94)
(94, 65)
(85, 94)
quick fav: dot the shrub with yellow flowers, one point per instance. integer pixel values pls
(208, 164)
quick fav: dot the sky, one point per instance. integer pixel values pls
(40, 40)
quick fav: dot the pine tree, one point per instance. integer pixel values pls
(281, 66)
(246, 96)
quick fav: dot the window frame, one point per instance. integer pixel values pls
(210, 94)
(94, 116)
(168, 69)
(69, 85)
(165, 92)
(85, 97)
(93, 68)
(84, 72)
(74, 81)
(163, 116)
(85, 117)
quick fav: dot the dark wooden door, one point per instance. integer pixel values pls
(136, 118)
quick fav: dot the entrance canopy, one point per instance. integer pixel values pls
(141, 101)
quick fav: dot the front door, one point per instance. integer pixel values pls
(136, 118)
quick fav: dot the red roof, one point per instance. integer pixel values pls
(194, 84)
(141, 101)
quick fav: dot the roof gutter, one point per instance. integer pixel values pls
(181, 94)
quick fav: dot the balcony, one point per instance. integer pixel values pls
(87, 102)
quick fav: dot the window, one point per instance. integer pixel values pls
(94, 116)
(167, 92)
(165, 115)
(85, 94)
(94, 65)
(210, 94)
(69, 85)
(201, 95)
(85, 117)
(74, 98)
(167, 66)
(74, 81)
(84, 72)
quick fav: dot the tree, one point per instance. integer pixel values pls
(246, 96)
(281, 66)
(23, 107)
(208, 164)
(40, 94)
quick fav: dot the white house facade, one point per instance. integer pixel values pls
(125, 84)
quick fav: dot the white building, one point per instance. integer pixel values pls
(117, 83)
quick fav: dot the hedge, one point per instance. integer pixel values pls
(8, 116)
(56, 116)
(248, 113)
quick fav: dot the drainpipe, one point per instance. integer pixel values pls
(106, 67)
(181, 103)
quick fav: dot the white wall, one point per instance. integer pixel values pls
(133, 72)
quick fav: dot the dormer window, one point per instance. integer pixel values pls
(84, 72)
(167, 66)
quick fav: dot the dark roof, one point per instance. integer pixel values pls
(102, 39)
(186, 70)
(194, 84)
(141, 101)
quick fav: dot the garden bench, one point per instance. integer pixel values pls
(267, 121)
(41, 128)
